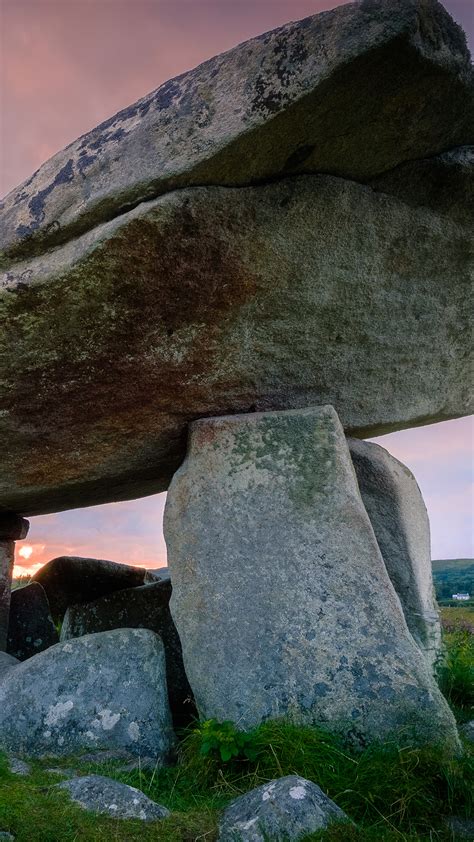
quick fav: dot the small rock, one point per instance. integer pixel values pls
(30, 629)
(6, 837)
(18, 767)
(288, 808)
(111, 798)
(6, 663)
(467, 731)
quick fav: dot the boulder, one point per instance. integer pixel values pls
(308, 291)
(145, 607)
(399, 518)
(102, 691)
(276, 570)
(69, 580)
(31, 628)
(111, 798)
(312, 96)
(6, 663)
(284, 809)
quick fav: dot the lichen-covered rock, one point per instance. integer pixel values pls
(313, 290)
(102, 691)
(398, 515)
(6, 663)
(69, 580)
(288, 808)
(276, 572)
(105, 796)
(30, 628)
(313, 96)
(145, 607)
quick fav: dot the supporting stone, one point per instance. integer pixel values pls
(12, 528)
(398, 515)
(280, 594)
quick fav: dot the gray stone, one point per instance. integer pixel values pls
(145, 607)
(7, 558)
(467, 730)
(399, 518)
(276, 570)
(111, 798)
(69, 580)
(18, 767)
(313, 290)
(30, 628)
(6, 837)
(6, 663)
(302, 98)
(102, 691)
(285, 809)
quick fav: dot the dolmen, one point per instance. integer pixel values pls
(222, 291)
(286, 225)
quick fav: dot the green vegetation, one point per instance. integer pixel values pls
(456, 672)
(453, 575)
(390, 792)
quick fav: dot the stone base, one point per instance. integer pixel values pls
(280, 594)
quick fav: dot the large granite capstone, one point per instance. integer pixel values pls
(231, 243)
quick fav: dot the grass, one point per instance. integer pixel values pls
(456, 672)
(391, 793)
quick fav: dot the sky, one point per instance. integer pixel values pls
(66, 65)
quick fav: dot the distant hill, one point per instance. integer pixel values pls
(453, 575)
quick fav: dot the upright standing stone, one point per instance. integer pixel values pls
(280, 594)
(12, 528)
(398, 515)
